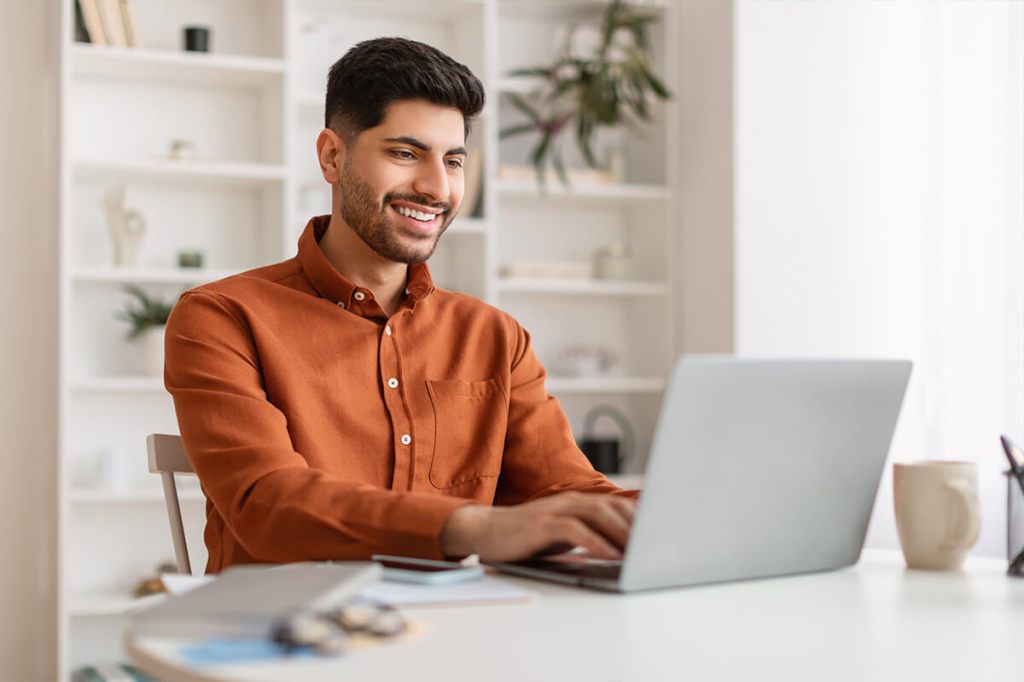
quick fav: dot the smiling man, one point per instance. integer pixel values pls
(338, 404)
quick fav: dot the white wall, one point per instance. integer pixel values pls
(28, 346)
(703, 200)
(874, 144)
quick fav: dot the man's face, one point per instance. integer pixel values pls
(401, 182)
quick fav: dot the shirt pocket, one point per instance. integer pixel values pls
(470, 418)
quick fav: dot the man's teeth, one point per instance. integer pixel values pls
(418, 215)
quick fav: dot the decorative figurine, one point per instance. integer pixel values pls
(126, 227)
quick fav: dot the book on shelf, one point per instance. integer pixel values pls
(131, 31)
(81, 32)
(113, 25)
(92, 21)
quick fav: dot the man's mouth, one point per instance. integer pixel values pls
(420, 220)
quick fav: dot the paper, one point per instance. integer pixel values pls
(486, 590)
(176, 583)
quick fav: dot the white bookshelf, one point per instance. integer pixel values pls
(554, 190)
(123, 275)
(253, 108)
(197, 172)
(188, 68)
(586, 287)
(99, 497)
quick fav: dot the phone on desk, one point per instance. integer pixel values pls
(405, 569)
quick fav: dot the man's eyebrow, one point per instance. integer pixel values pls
(423, 146)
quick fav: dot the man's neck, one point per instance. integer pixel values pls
(363, 266)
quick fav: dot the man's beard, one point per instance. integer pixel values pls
(371, 222)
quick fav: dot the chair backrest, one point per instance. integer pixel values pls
(167, 457)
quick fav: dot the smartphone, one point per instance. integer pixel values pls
(405, 569)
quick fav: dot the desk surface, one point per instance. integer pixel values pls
(873, 621)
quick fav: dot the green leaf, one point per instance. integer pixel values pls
(540, 71)
(559, 164)
(512, 131)
(526, 108)
(656, 85)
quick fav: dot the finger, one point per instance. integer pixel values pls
(580, 535)
(625, 506)
(601, 514)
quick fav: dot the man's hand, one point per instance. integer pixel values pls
(599, 523)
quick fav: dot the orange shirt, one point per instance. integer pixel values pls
(321, 428)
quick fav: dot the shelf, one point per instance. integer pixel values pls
(433, 12)
(190, 68)
(123, 384)
(591, 287)
(460, 225)
(556, 384)
(116, 275)
(107, 603)
(569, 10)
(203, 172)
(520, 85)
(103, 497)
(528, 189)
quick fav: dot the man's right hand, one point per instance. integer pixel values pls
(597, 522)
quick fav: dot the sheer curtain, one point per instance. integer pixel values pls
(880, 211)
(972, 369)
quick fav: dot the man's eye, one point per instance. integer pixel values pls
(455, 163)
(403, 154)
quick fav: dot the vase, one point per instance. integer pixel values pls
(151, 351)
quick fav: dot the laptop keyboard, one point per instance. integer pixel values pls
(605, 571)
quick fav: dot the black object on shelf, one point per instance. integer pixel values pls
(197, 39)
(1014, 525)
(81, 32)
(606, 454)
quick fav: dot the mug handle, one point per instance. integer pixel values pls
(967, 525)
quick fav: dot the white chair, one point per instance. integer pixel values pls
(167, 457)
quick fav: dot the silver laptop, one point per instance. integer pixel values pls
(758, 468)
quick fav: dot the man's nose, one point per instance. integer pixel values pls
(432, 180)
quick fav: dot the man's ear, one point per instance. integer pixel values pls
(330, 150)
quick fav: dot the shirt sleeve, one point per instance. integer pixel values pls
(541, 456)
(277, 506)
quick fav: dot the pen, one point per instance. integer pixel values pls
(1016, 457)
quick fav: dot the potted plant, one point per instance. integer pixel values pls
(148, 317)
(603, 86)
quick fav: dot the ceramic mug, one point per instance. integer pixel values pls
(938, 517)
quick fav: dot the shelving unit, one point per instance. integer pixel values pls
(600, 193)
(252, 109)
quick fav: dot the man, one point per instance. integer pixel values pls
(337, 404)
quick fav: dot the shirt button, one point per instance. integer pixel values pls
(387, 329)
(341, 304)
(392, 383)
(406, 439)
(359, 296)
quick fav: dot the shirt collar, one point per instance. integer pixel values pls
(330, 284)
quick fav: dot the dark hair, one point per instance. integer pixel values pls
(377, 72)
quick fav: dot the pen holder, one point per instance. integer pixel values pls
(1014, 525)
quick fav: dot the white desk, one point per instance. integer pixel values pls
(875, 621)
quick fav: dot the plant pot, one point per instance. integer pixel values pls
(151, 351)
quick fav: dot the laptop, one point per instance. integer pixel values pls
(758, 468)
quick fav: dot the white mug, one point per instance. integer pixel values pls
(938, 517)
